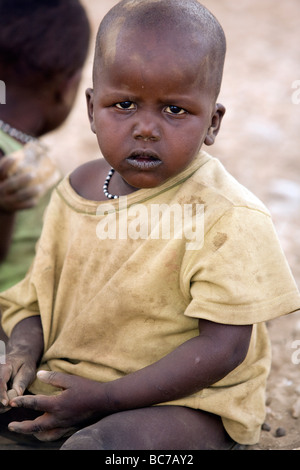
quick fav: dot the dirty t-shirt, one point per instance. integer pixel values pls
(118, 285)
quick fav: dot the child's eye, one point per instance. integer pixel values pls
(125, 105)
(175, 110)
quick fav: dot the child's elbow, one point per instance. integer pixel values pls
(237, 357)
(239, 348)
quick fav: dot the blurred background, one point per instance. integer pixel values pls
(259, 144)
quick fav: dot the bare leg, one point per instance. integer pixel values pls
(153, 428)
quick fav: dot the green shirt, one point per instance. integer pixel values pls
(27, 229)
(8, 144)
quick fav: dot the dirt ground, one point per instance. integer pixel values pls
(259, 144)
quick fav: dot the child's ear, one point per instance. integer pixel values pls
(90, 107)
(215, 124)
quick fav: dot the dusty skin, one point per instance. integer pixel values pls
(11, 394)
(259, 144)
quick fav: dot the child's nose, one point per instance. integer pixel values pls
(146, 128)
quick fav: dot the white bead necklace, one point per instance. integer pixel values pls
(105, 186)
(19, 135)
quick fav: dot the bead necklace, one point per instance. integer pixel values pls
(21, 136)
(105, 186)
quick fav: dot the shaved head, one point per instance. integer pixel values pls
(184, 24)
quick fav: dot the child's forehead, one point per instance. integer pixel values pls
(141, 64)
(157, 60)
(153, 44)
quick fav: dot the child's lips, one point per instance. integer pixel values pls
(143, 160)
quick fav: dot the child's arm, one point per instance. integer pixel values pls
(194, 365)
(23, 353)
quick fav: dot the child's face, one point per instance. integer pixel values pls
(152, 113)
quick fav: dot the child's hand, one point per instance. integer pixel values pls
(10, 394)
(25, 176)
(18, 371)
(64, 413)
(16, 191)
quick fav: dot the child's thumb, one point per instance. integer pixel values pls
(57, 379)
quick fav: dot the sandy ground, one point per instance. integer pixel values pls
(259, 145)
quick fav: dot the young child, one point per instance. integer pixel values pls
(43, 46)
(144, 340)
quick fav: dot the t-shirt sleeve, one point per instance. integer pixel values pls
(240, 275)
(18, 303)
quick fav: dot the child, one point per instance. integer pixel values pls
(43, 46)
(116, 313)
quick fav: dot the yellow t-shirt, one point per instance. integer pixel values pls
(116, 293)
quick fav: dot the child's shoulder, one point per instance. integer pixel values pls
(87, 179)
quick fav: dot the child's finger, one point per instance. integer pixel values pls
(57, 379)
(5, 376)
(10, 395)
(17, 182)
(22, 198)
(5, 164)
(31, 192)
(41, 424)
(33, 402)
(24, 376)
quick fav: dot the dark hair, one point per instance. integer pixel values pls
(42, 39)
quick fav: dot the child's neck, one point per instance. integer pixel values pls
(119, 186)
